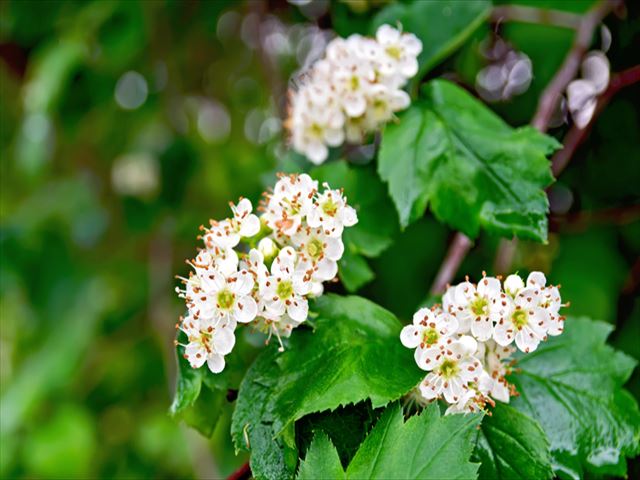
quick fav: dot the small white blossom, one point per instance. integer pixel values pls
(352, 91)
(331, 212)
(290, 202)
(521, 319)
(284, 290)
(453, 371)
(471, 305)
(227, 299)
(207, 343)
(429, 331)
(227, 233)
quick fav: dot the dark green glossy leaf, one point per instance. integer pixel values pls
(452, 152)
(346, 427)
(442, 25)
(353, 355)
(572, 385)
(512, 445)
(354, 271)
(322, 460)
(427, 446)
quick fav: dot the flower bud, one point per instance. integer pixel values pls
(513, 284)
(268, 249)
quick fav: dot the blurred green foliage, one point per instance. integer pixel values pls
(126, 125)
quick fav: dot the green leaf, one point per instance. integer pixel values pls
(572, 385)
(353, 355)
(377, 223)
(442, 25)
(252, 423)
(451, 151)
(425, 446)
(322, 461)
(354, 271)
(194, 402)
(512, 445)
(346, 427)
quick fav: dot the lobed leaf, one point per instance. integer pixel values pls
(512, 445)
(572, 385)
(452, 152)
(427, 446)
(353, 355)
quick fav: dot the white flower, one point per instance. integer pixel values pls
(331, 213)
(207, 343)
(452, 373)
(522, 319)
(319, 251)
(214, 257)
(400, 51)
(227, 233)
(288, 205)
(352, 91)
(582, 93)
(493, 357)
(284, 290)
(429, 331)
(268, 249)
(513, 284)
(227, 299)
(472, 306)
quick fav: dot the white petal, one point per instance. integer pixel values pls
(349, 216)
(387, 34)
(243, 208)
(314, 218)
(503, 334)
(334, 249)
(526, 340)
(223, 340)
(536, 280)
(242, 284)
(298, 309)
(595, 68)
(250, 226)
(410, 336)
(196, 354)
(489, 287)
(482, 328)
(469, 344)
(327, 269)
(215, 363)
(317, 152)
(246, 309)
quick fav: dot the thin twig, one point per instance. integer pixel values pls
(578, 221)
(567, 72)
(458, 249)
(543, 16)
(576, 135)
(550, 97)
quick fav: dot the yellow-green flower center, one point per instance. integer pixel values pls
(394, 52)
(284, 290)
(330, 207)
(315, 130)
(520, 318)
(449, 369)
(430, 336)
(315, 248)
(355, 82)
(225, 299)
(479, 306)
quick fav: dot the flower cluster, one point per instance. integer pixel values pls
(352, 91)
(465, 344)
(582, 94)
(261, 271)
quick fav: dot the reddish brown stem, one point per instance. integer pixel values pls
(576, 135)
(567, 72)
(242, 473)
(458, 249)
